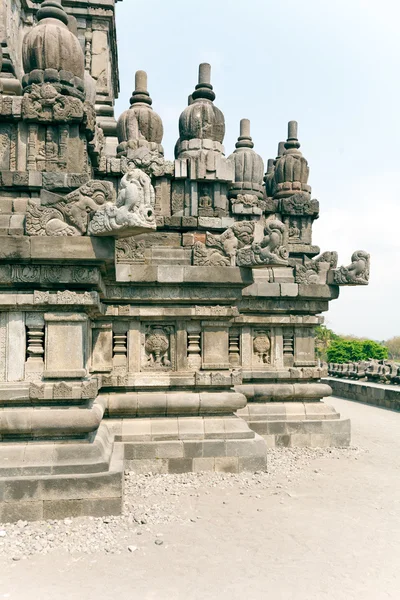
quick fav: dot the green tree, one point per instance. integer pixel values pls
(343, 351)
(323, 340)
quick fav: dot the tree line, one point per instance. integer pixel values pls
(331, 347)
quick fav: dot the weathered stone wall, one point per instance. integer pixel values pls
(370, 393)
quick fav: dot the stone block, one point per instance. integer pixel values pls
(252, 463)
(214, 428)
(180, 465)
(136, 429)
(237, 429)
(192, 449)
(164, 429)
(59, 509)
(183, 403)
(289, 289)
(191, 428)
(227, 464)
(300, 440)
(24, 511)
(203, 464)
(142, 466)
(152, 403)
(170, 450)
(214, 448)
(140, 450)
(282, 440)
(320, 440)
(169, 274)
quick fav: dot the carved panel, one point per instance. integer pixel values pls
(158, 348)
(262, 347)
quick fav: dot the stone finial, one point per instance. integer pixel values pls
(52, 9)
(201, 119)
(204, 89)
(281, 149)
(291, 168)
(140, 93)
(249, 166)
(52, 53)
(244, 140)
(140, 125)
(292, 141)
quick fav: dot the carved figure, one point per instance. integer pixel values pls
(262, 347)
(150, 161)
(294, 231)
(316, 270)
(44, 103)
(156, 347)
(70, 215)
(357, 273)
(269, 251)
(133, 208)
(221, 250)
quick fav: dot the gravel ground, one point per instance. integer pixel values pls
(153, 500)
(320, 525)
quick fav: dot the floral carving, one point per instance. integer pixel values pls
(315, 271)
(300, 204)
(150, 161)
(221, 250)
(262, 347)
(270, 251)
(69, 215)
(45, 104)
(127, 250)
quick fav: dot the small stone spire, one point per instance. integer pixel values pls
(292, 143)
(201, 119)
(244, 139)
(248, 165)
(141, 94)
(204, 89)
(140, 125)
(281, 149)
(52, 9)
(291, 168)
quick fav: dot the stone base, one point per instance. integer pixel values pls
(184, 444)
(297, 424)
(58, 480)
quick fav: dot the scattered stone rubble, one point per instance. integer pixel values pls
(153, 500)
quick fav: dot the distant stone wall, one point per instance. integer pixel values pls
(369, 393)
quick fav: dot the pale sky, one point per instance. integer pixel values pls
(331, 65)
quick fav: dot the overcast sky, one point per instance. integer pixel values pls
(334, 66)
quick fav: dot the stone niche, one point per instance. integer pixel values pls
(66, 345)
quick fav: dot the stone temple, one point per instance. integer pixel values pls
(155, 315)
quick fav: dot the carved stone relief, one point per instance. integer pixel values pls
(357, 273)
(316, 270)
(270, 251)
(262, 347)
(159, 348)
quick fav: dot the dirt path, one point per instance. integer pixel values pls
(321, 526)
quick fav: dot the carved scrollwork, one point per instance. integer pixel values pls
(270, 251)
(43, 103)
(357, 273)
(316, 270)
(69, 215)
(133, 210)
(221, 250)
